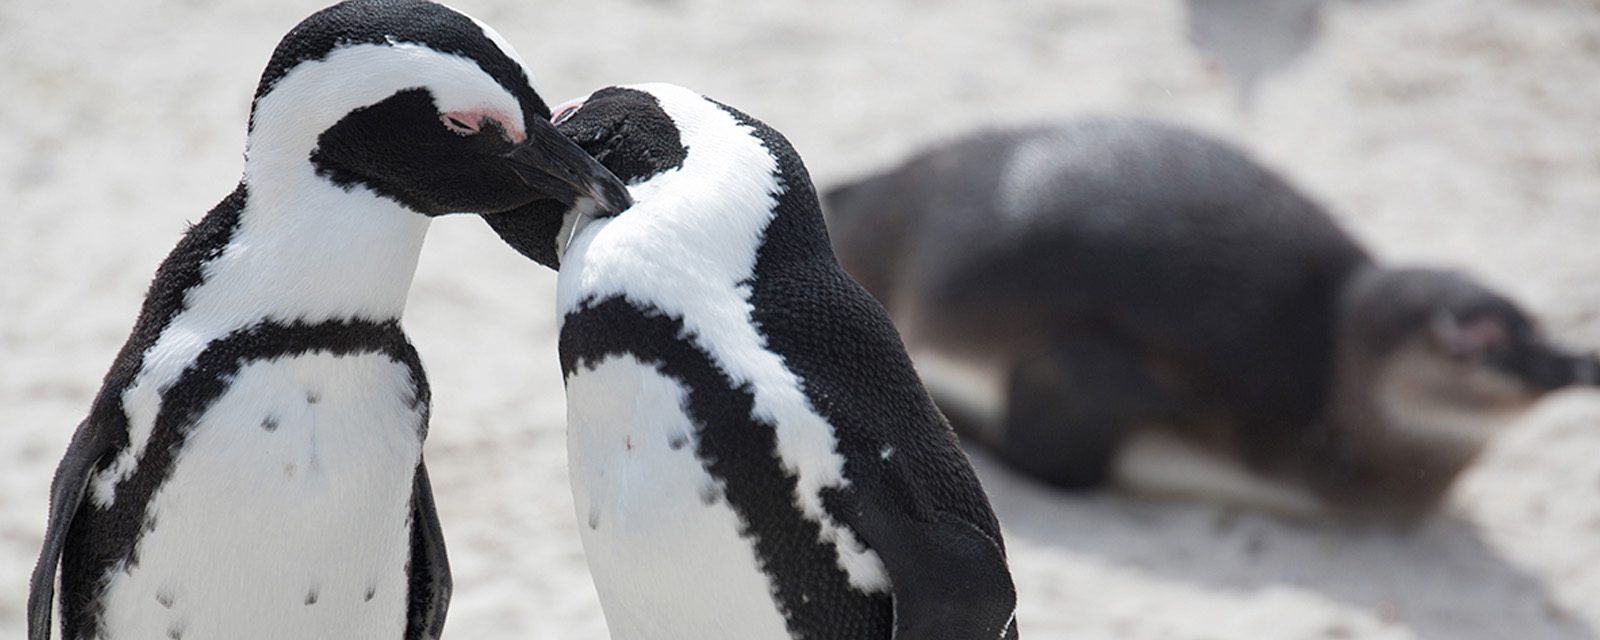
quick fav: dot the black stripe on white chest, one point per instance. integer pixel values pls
(434, 26)
(272, 445)
(689, 431)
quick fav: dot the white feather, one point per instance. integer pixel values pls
(316, 94)
(503, 44)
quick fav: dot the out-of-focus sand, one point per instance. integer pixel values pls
(1457, 133)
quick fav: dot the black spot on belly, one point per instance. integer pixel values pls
(313, 397)
(269, 423)
(311, 596)
(710, 493)
(678, 441)
(175, 632)
(149, 524)
(372, 590)
(164, 596)
(594, 519)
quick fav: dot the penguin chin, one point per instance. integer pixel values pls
(543, 230)
(532, 230)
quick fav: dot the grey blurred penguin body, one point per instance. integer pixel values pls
(1078, 296)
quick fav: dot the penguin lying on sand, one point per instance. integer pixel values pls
(252, 467)
(1079, 292)
(752, 454)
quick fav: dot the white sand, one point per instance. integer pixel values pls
(1452, 132)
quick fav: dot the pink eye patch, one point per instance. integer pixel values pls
(468, 123)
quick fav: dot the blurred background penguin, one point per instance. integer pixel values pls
(1123, 297)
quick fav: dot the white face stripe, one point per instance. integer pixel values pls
(505, 47)
(297, 226)
(316, 94)
(687, 247)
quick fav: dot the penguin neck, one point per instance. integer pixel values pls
(1389, 447)
(716, 207)
(725, 211)
(306, 250)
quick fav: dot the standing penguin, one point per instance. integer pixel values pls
(1079, 296)
(752, 454)
(252, 467)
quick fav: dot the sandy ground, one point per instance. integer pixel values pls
(1454, 132)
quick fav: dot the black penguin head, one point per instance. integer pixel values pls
(1467, 333)
(628, 131)
(682, 152)
(417, 103)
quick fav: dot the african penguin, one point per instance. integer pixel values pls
(1079, 295)
(752, 455)
(252, 466)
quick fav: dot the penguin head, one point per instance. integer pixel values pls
(679, 152)
(1437, 338)
(624, 128)
(418, 103)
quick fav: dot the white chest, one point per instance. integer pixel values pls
(286, 513)
(664, 547)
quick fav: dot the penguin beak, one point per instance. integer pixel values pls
(1547, 368)
(1585, 369)
(1560, 369)
(558, 168)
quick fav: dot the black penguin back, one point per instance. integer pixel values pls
(842, 345)
(1123, 229)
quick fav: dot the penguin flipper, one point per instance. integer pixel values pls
(949, 579)
(1070, 408)
(430, 567)
(88, 446)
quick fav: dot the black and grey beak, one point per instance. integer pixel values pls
(1547, 367)
(1586, 369)
(558, 168)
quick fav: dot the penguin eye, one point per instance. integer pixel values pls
(458, 125)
